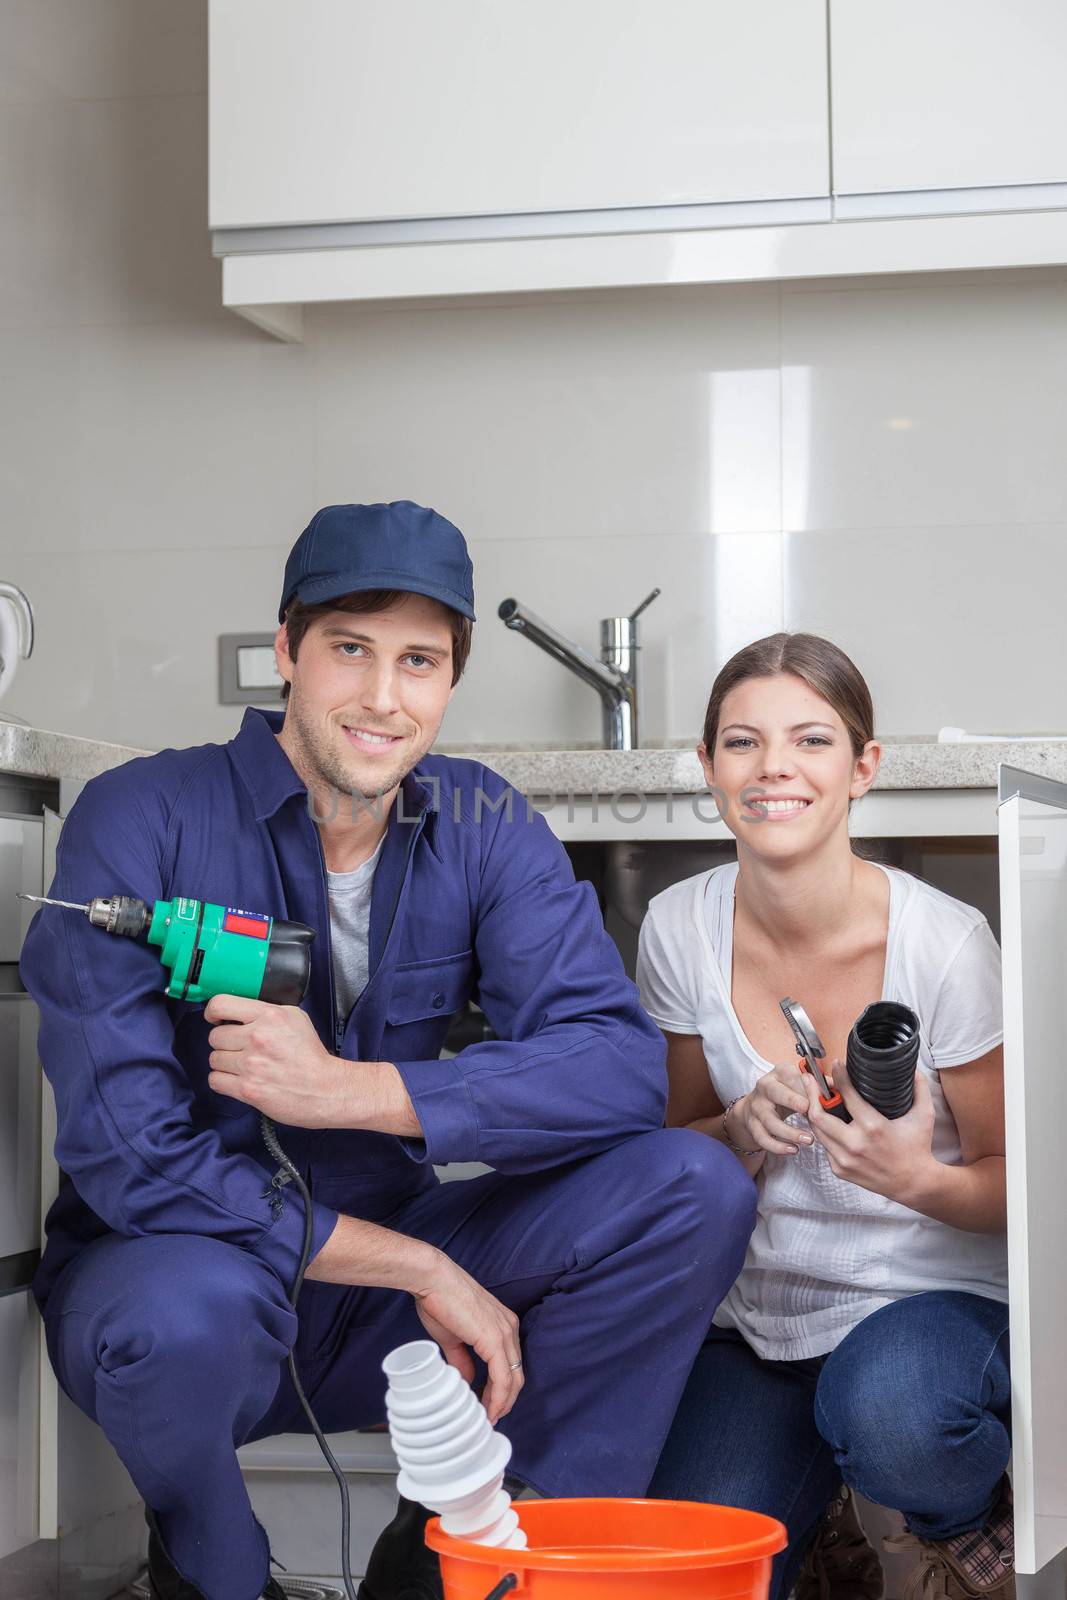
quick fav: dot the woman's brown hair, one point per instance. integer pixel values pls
(821, 665)
(299, 617)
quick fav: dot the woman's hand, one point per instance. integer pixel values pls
(891, 1158)
(757, 1120)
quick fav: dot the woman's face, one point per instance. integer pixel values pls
(784, 768)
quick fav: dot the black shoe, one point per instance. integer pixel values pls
(166, 1583)
(401, 1565)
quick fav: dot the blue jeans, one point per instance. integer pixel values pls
(912, 1410)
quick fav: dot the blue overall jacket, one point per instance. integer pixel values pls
(473, 896)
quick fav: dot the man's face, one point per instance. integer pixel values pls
(367, 694)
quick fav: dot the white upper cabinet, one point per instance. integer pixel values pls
(947, 94)
(348, 111)
(378, 150)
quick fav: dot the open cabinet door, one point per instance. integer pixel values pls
(20, 871)
(84, 1496)
(1033, 897)
(48, 1394)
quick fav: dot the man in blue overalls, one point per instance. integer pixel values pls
(583, 1270)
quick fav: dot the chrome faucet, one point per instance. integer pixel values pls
(614, 676)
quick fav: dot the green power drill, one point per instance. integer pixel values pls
(210, 949)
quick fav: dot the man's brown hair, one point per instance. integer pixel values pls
(299, 617)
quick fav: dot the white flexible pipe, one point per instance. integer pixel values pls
(451, 1460)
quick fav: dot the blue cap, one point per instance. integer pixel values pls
(346, 549)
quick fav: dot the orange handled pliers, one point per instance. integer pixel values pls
(811, 1053)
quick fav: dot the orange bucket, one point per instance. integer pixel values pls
(612, 1549)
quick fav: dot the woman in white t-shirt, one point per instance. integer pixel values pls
(864, 1344)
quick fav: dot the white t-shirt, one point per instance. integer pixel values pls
(826, 1253)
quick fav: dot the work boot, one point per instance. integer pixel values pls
(979, 1565)
(839, 1563)
(164, 1580)
(402, 1566)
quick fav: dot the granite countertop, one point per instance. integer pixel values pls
(39, 753)
(907, 763)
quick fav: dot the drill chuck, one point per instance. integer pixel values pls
(121, 914)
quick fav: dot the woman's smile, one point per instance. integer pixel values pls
(776, 808)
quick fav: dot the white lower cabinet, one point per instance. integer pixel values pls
(1033, 867)
(19, 1371)
(21, 868)
(20, 1125)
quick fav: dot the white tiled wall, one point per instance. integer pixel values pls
(881, 461)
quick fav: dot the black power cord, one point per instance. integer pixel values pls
(289, 1174)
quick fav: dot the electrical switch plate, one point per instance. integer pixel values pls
(247, 672)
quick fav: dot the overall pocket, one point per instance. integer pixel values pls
(430, 989)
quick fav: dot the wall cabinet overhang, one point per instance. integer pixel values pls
(364, 150)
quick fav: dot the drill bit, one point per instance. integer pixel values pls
(43, 900)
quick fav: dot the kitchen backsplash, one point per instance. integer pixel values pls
(877, 460)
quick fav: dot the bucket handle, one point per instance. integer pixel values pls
(508, 1582)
